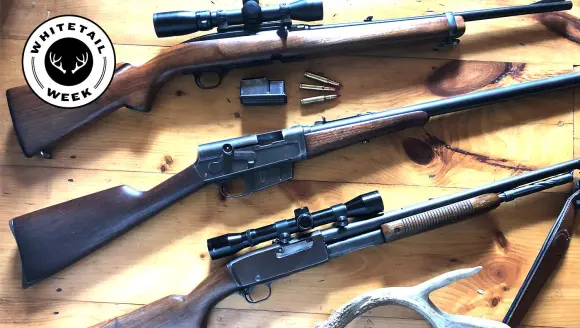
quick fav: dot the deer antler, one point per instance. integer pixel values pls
(84, 60)
(55, 61)
(416, 298)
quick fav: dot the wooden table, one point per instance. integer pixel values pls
(167, 255)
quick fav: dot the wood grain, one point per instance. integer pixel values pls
(321, 142)
(54, 237)
(458, 77)
(68, 315)
(83, 314)
(167, 255)
(176, 311)
(439, 217)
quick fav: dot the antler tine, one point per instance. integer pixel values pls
(54, 62)
(84, 60)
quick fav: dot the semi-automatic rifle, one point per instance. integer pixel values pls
(297, 246)
(248, 37)
(54, 237)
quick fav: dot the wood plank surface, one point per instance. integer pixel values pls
(167, 254)
(161, 253)
(78, 314)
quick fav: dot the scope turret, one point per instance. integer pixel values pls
(364, 205)
(250, 17)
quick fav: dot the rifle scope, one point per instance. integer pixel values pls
(364, 205)
(251, 15)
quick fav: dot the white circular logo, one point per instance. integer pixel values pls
(68, 61)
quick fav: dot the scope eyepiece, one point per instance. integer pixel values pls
(251, 15)
(229, 244)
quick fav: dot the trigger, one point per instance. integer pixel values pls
(209, 79)
(248, 294)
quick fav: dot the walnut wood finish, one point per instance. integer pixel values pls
(39, 126)
(190, 311)
(547, 261)
(327, 140)
(52, 238)
(439, 217)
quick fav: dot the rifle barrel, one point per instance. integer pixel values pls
(472, 15)
(357, 228)
(535, 187)
(493, 96)
(534, 8)
(464, 102)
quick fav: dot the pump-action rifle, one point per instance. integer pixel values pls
(368, 227)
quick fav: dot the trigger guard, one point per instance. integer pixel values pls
(248, 294)
(220, 74)
(226, 193)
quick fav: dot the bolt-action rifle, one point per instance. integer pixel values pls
(291, 253)
(248, 37)
(54, 237)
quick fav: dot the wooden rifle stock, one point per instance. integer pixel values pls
(39, 126)
(189, 311)
(52, 238)
(327, 140)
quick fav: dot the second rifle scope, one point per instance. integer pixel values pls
(364, 205)
(183, 22)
